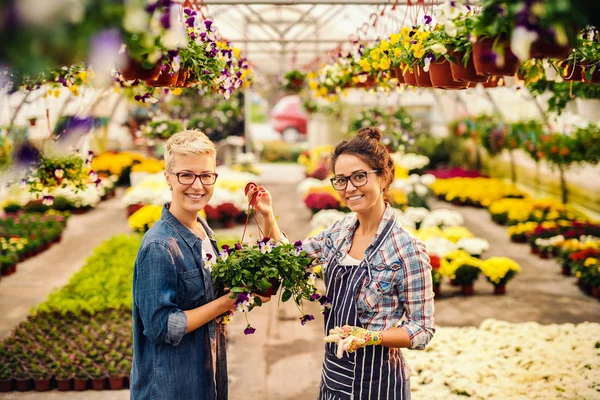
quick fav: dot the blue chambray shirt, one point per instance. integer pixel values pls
(169, 277)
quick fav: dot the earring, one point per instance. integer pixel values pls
(171, 188)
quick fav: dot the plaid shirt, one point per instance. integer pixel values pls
(398, 290)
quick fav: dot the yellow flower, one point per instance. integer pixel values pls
(236, 52)
(384, 45)
(397, 52)
(375, 64)
(83, 76)
(177, 91)
(364, 63)
(56, 93)
(394, 38)
(385, 63)
(375, 54)
(590, 261)
(418, 50)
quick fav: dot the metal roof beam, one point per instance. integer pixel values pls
(309, 2)
(298, 41)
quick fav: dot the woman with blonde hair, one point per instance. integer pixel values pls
(377, 275)
(179, 349)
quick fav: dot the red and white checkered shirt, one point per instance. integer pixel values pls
(400, 292)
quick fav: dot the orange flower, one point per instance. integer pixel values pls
(554, 149)
(564, 151)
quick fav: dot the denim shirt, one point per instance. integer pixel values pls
(169, 277)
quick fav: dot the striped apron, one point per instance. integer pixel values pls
(372, 372)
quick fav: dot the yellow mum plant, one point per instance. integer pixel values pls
(499, 270)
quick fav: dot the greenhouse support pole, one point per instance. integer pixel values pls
(513, 167)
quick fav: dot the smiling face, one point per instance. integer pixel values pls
(190, 199)
(363, 198)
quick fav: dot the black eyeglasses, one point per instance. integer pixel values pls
(187, 178)
(358, 179)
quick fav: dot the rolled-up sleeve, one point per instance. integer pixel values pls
(417, 296)
(155, 291)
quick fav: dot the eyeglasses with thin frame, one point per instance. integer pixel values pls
(188, 178)
(358, 179)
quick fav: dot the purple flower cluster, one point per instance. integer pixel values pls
(305, 318)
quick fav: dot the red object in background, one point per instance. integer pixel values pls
(288, 114)
(434, 261)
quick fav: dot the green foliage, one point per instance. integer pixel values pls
(395, 124)
(45, 173)
(466, 274)
(255, 268)
(103, 283)
(162, 128)
(294, 80)
(280, 151)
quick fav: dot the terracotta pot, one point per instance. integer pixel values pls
(116, 382)
(545, 254)
(409, 78)
(134, 70)
(398, 74)
(595, 77)
(493, 82)
(596, 291)
(164, 79)
(462, 73)
(41, 385)
(485, 63)
(368, 84)
(543, 48)
(423, 78)
(98, 383)
(23, 385)
(441, 76)
(272, 290)
(499, 289)
(181, 78)
(64, 385)
(566, 270)
(6, 385)
(80, 383)
(534, 249)
(466, 290)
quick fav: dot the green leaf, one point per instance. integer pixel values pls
(258, 301)
(286, 295)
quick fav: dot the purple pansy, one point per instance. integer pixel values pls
(427, 19)
(208, 24)
(238, 246)
(305, 318)
(249, 330)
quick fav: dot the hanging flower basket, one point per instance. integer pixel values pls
(543, 48)
(423, 78)
(569, 71)
(135, 70)
(441, 76)
(485, 57)
(181, 78)
(397, 72)
(595, 77)
(493, 82)
(409, 78)
(368, 84)
(164, 79)
(465, 73)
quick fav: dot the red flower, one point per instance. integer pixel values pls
(321, 201)
(435, 262)
(211, 213)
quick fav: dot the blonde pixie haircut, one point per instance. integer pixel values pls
(187, 142)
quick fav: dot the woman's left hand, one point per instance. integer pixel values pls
(259, 199)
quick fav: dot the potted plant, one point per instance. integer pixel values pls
(23, 381)
(261, 268)
(436, 275)
(498, 271)
(115, 378)
(161, 128)
(293, 81)
(6, 381)
(466, 274)
(64, 376)
(81, 379)
(492, 52)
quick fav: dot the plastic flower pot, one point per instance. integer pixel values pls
(409, 78)
(466, 290)
(499, 289)
(80, 383)
(116, 382)
(275, 284)
(398, 74)
(566, 269)
(135, 70)
(164, 79)
(6, 385)
(423, 79)
(570, 72)
(23, 385)
(441, 76)
(485, 57)
(544, 48)
(133, 208)
(41, 385)
(596, 291)
(181, 78)
(64, 385)
(99, 383)
(465, 73)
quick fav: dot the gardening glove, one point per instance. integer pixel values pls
(350, 338)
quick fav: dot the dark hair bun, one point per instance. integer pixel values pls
(370, 133)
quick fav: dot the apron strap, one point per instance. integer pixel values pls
(366, 262)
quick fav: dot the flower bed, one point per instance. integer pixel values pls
(478, 192)
(24, 235)
(500, 360)
(514, 211)
(81, 336)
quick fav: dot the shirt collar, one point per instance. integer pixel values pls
(184, 232)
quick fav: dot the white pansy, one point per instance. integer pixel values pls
(438, 48)
(450, 28)
(520, 42)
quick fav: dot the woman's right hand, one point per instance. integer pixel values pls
(259, 199)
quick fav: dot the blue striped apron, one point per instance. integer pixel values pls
(372, 372)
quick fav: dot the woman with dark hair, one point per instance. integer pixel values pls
(377, 275)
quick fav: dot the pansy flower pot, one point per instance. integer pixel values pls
(493, 82)
(275, 284)
(570, 71)
(423, 78)
(467, 73)
(441, 76)
(547, 48)
(485, 58)
(135, 70)
(594, 78)
(166, 78)
(24, 385)
(397, 72)
(409, 77)
(182, 77)
(368, 84)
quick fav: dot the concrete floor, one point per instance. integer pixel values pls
(282, 360)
